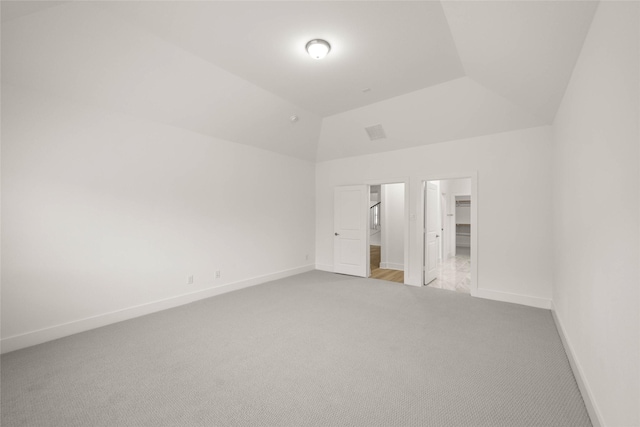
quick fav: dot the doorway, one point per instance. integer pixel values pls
(387, 232)
(448, 230)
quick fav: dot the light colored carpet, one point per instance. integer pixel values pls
(314, 349)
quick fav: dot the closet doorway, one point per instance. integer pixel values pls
(448, 231)
(387, 232)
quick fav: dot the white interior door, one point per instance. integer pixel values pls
(350, 240)
(453, 221)
(431, 233)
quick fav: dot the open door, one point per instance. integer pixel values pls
(351, 233)
(431, 233)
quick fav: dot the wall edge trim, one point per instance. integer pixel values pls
(513, 298)
(392, 266)
(28, 339)
(578, 373)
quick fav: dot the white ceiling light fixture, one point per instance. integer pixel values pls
(318, 48)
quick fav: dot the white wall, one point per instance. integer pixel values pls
(392, 251)
(596, 186)
(375, 237)
(103, 212)
(512, 266)
(460, 186)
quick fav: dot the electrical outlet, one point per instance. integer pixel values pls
(217, 274)
(306, 257)
(190, 280)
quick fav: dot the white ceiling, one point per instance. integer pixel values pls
(524, 51)
(390, 47)
(437, 71)
(456, 109)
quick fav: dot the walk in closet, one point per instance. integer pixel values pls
(463, 221)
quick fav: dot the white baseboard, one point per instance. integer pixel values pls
(325, 267)
(578, 373)
(392, 266)
(40, 336)
(514, 298)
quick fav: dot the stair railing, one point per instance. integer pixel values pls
(374, 216)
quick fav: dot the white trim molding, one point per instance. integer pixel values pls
(392, 266)
(578, 373)
(513, 298)
(40, 336)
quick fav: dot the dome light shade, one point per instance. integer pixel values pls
(318, 48)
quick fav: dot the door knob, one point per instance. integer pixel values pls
(437, 235)
(336, 234)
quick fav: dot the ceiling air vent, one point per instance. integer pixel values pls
(375, 132)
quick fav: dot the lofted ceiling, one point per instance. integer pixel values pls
(427, 71)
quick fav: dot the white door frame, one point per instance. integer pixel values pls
(474, 221)
(407, 200)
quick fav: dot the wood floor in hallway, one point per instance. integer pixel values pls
(383, 273)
